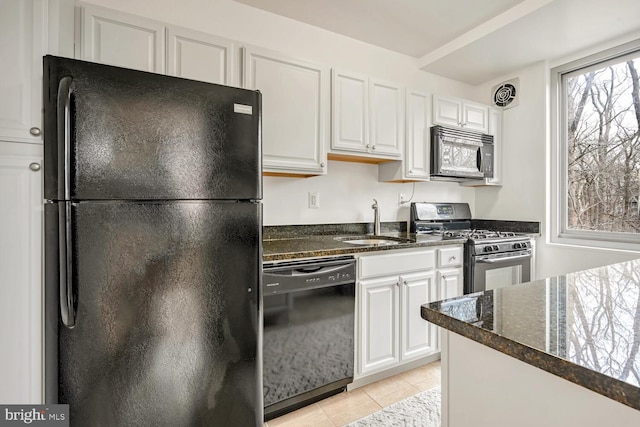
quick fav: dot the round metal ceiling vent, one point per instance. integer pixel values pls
(505, 94)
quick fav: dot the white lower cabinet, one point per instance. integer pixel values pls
(380, 323)
(392, 286)
(450, 283)
(417, 334)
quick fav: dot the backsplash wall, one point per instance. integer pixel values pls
(346, 195)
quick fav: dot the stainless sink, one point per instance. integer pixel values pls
(371, 240)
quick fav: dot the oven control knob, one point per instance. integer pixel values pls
(496, 247)
(517, 246)
(488, 248)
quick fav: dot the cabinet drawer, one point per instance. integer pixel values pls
(450, 256)
(396, 263)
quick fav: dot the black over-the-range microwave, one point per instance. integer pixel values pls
(460, 154)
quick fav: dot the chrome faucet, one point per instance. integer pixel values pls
(376, 218)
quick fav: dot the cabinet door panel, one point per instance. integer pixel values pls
(20, 264)
(447, 111)
(387, 118)
(476, 116)
(294, 110)
(417, 334)
(495, 129)
(114, 38)
(416, 151)
(379, 322)
(450, 283)
(350, 109)
(21, 49)
(200, 56)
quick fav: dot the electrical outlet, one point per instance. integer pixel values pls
(400, 198)
(314, 200)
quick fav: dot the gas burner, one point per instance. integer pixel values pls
(477, 234)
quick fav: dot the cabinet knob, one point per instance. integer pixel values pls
(373, 148)
(35, 166)
(368, 146)
(322, 164)
(35, 131)
(410, 170)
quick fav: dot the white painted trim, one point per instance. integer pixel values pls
(557, 233)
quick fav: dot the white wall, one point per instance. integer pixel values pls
(524, 195)
(346, 193)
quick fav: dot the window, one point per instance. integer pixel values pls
(597, 148)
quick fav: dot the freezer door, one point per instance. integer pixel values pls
(112, 133)
(167, 326)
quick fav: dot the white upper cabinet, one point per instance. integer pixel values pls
(386, 118)
(458, 112)
(22, 44)
(417, 144)
(415, 165)
(367, 118)
(350, 111)
(200, 56)
(295, 111)
(116, 38)
(495, 129)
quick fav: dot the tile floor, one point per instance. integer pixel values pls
(349, 406)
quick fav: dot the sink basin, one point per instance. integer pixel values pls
(372, 240)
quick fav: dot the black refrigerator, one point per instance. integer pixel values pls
(153, 251)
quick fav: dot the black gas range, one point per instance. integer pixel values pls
(492, 258)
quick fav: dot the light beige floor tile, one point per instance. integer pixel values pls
(396, 396)
(347, 407)
(421, 374)
(428, 384)
(310, 416)
(384, 387)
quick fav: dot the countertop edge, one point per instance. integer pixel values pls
(602, 384)
(285, 256)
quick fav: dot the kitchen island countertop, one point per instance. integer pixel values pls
(583, 327)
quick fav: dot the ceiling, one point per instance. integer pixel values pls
(473, 41)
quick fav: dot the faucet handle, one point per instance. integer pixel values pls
(375, 204)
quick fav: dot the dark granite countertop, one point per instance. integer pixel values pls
(583, 327)
(281, 243)
(311, 246)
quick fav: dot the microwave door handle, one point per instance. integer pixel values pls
(480, 160)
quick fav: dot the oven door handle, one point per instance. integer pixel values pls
(501, 259)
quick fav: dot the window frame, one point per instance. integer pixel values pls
(558, 206)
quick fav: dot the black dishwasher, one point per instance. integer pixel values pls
(308, 334)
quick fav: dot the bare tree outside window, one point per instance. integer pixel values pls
(603, 148)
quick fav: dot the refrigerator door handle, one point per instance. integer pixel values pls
(67, 298)
(64, 135)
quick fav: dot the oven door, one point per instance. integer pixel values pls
(499, 270)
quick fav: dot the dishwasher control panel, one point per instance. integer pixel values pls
(309, 274)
